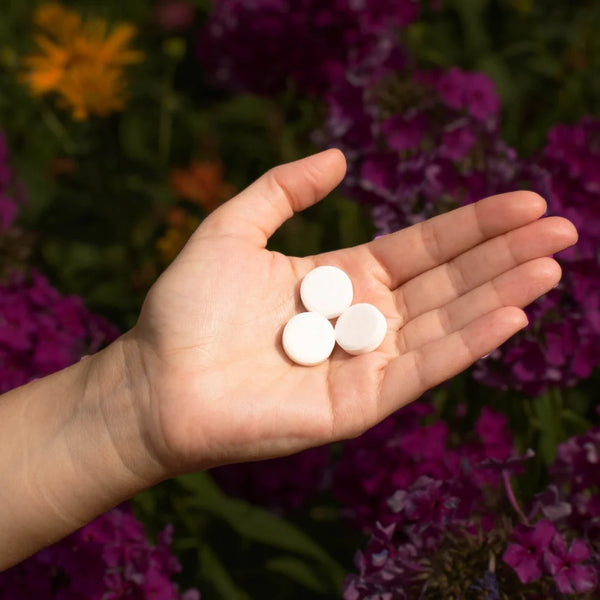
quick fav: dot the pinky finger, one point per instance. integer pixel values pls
(410, 375)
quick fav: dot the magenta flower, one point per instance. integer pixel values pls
(526, 555)
(457, 142)
(107, 559)
(482, 100)
(308, 43)
(451, 87)
(565, 566)
(42, 331)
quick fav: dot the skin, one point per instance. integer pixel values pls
(202, 380)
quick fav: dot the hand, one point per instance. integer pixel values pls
(218, 386)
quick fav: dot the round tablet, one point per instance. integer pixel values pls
(360, 328)
(326, 290)
(308, 338)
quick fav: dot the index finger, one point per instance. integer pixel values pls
(416, 249)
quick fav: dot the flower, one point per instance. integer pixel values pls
(107, 559)
(417, 142)
(42, 331)
(378, 466)
(565, 566)
(563, 344)
(526, 554)
(309, 45)
(202, 183)
(79, 61)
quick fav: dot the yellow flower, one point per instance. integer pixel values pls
(81, 61)
(181, 227)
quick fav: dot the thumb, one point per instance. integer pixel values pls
(257, 212)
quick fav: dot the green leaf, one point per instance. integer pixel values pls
(548, 410)
(257, 524)
(299, 571)
(216, 574)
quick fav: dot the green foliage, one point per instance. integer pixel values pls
(273, 554)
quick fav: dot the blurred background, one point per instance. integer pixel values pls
(123, 124)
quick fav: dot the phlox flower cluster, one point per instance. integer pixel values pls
(108, 559)
(563, 345)
(311, 41)
(42, 331)
(417, 143)
(394, 454)
(420, 143)
(438, 538)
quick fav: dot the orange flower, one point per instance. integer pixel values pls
(202, 183)
(81, 61)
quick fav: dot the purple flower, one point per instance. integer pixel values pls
(481, 98)
(526, 554)
(489, 584)
(309, 44)
(512, 464)
(451, 87)
(565, 566)
(427, 502)
(391, 457)
(551, 504)
(458, 142)
(108, 559)
(42, 331)
(578, 461)
(281, 484)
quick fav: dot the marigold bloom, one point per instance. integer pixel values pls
(202, 183)
(80, 61)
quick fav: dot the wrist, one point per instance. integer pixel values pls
(115, 407)
(73, 448)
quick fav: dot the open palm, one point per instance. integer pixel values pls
(219, 386)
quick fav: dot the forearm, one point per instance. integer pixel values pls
(72, 448)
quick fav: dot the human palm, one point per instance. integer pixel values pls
(220, 388)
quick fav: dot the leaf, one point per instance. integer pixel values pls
(257, 524)
(146, 501)
(547, 408)
(299, 571)
(215, 572)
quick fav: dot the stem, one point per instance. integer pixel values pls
(492, 563)
(511, 496)
(166, 117)
(57, 128)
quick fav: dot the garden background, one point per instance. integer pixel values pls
(122, 124)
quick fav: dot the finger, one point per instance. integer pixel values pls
(518, 287)
(411, 251)
(410, 375)
(263, 206)
(439, 286)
